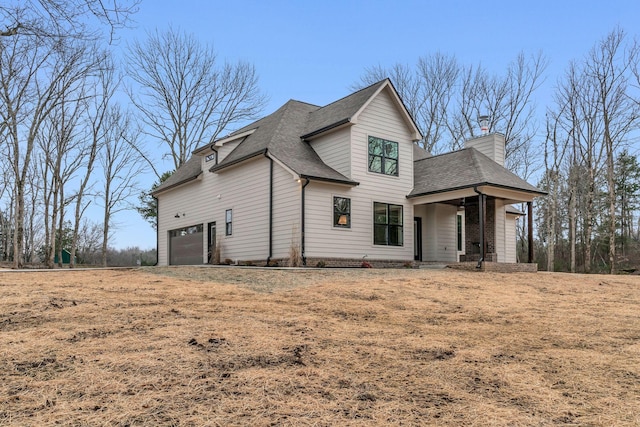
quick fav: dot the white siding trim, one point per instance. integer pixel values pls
(283, 166)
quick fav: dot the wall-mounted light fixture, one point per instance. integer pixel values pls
(177, 215)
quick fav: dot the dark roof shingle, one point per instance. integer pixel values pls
(463, 169)
(189, 171)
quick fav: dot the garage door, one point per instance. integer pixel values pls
(185, 246)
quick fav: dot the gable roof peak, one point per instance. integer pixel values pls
(375, 85)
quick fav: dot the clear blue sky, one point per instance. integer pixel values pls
(314, 51)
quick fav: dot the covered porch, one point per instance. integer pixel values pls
(475, 224)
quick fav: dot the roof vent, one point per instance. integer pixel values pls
(484, 124)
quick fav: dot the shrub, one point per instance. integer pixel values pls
(321, 264)
(365, 264)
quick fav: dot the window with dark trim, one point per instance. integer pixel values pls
(341, 212)
(228, 222)
(383, 156)
(387, 224)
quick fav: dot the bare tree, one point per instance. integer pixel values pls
(34, 78)
(89, 242)
(446, 99)
(555, 147)
(121, 165)
(426, 91)
(64, 18)
(62, 151)
(97, 115)
(186, 97)
(609, 64)
(597, 113)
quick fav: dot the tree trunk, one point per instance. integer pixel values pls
(552, 219)
(611, 186)
(572, 225)
(19, 226)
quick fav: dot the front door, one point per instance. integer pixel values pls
(211, 251)
(417, 238)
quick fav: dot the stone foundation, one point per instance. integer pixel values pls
(497, 267)
(489, 257)
(312, 262)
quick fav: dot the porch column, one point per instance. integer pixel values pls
(482, 206)
(530, 229)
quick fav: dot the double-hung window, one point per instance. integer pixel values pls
(228, 222)
(383, 156)
(341, 212)
(387, 224)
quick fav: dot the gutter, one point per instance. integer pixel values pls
(326, 128)
(302, 248)
(223, 165)
(332, 180)
(184, 181)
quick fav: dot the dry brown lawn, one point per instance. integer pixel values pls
(228, 346)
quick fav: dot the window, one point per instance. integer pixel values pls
(228, 222)
(341, 212)
(194, 229)
(387, 224)
(383, 156)
(211, 157)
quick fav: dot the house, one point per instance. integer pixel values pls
(339, 184)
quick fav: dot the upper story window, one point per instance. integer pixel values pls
(211, 157)
(341, 212)
(383, 156)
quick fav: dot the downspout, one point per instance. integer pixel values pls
(481, 209)
(157, 231)
(304, 258)
(270, 210)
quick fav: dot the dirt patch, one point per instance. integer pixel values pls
(228, 346)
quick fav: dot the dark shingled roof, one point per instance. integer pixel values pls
(189, 171)
(282, 134)
(340, 111)
(420, 153)
(463, 169)
(279, 135)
